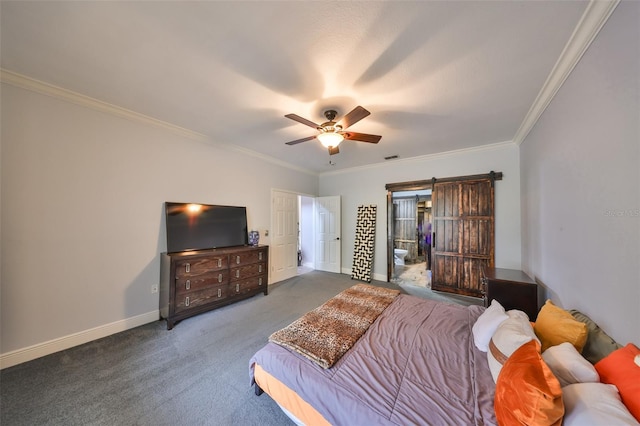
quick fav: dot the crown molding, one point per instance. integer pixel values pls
(28, 83)
(592, 20)
(428, 157)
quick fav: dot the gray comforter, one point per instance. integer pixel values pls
(416, 365)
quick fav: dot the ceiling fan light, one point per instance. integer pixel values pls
(330, 139)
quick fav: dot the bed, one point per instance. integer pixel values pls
(371, 356)
(415, 364)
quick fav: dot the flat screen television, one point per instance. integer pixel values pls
(193, 226)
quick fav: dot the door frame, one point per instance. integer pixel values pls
(416, 185)
(299, 219)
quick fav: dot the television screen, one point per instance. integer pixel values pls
(203, 226)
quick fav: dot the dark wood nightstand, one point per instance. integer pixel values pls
(513, 289)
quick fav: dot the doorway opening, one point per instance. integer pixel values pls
(409, 232)
(306, 246)
(305, 234)
(412, 220)
(318, 234)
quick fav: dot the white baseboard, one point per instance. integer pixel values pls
(377, 277)
(19, 356)
(380, 277)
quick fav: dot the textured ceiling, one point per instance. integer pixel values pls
(436, 76)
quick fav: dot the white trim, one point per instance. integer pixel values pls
(427, 157)
(19, 356)
(594, 17)
(28, 83)
(379, 277)
(374, 276)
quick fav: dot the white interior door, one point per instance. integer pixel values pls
(328, 244)
(283, 252)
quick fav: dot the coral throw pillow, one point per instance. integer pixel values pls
(527, 392)
(554, 325)
(619, 369)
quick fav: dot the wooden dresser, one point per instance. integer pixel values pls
(513, 289)
(198, 281)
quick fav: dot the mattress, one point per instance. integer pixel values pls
(416, 364)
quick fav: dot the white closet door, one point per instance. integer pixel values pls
(283, 251)
(328, 244)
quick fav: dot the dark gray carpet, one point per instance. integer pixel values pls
(195, 374)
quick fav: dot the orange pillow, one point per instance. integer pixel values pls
(554, 325)
(527, 392)
(619, 369)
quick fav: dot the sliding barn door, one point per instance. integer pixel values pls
(463, 240)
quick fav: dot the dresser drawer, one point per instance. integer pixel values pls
(194, 282)
(186, 284)
(203, 265)
(243, 258)
(201, 297)
(248, 284)
(246, 271)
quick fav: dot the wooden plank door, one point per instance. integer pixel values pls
(406, 226)
(463, 240)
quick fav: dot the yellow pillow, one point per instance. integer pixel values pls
(555, 325)
(527, 392)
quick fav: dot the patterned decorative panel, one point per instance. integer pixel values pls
(364, 244)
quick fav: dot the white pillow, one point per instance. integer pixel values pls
(568, 365)
(512, 333)
(594, 404)
(487, 323)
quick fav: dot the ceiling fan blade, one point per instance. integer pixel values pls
(297, 141)
(304, 121)
(357, 114)
(362, 137)
(333, 150)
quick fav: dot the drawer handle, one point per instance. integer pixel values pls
(260, 256)
(187, 285)
(187, 267)
(219, 278)
(237, 273)
(260, 281)
(259, 268)
(219, 263)
(237, 288)
(219, 293)
(186, 301)
(238, 260)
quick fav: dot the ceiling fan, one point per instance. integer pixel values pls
(331, 133)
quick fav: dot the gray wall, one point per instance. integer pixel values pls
(82, 213)
(581, 185)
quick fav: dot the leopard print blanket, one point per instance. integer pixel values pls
(326, 333)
